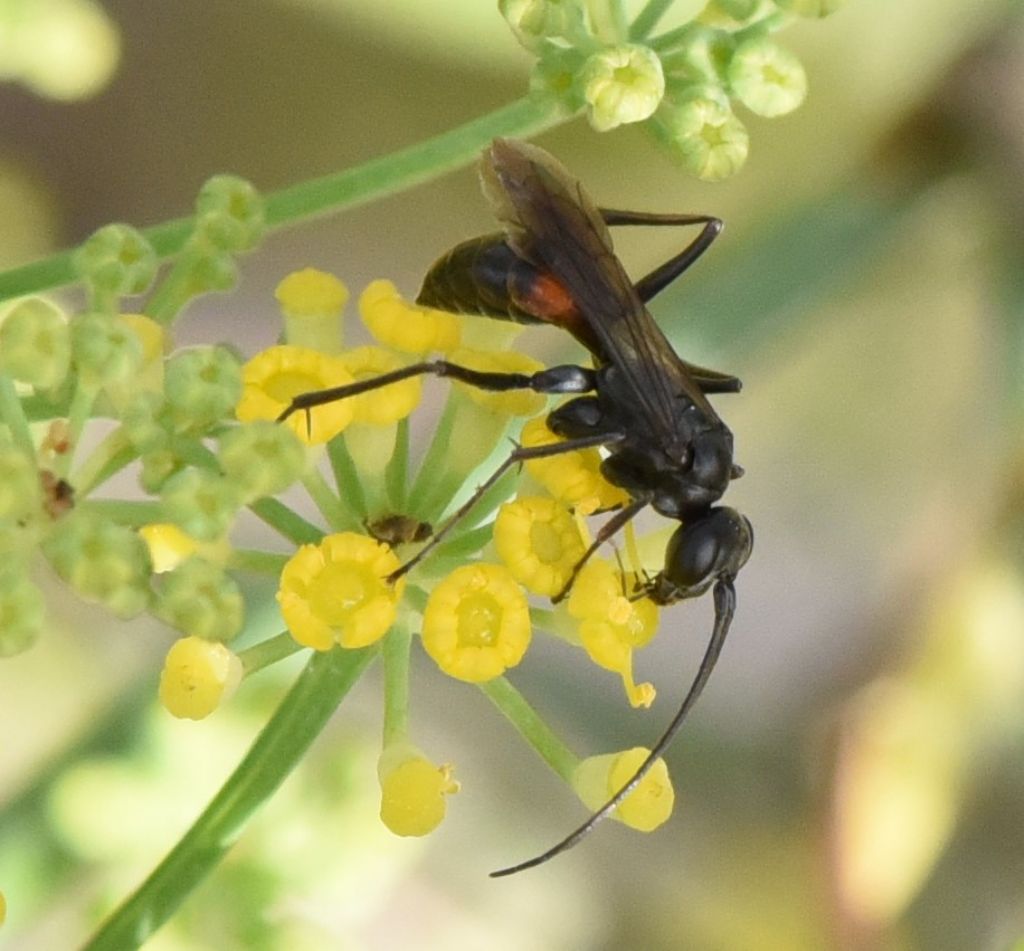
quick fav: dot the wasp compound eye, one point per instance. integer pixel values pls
(714, 546)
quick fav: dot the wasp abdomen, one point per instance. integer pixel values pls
(478, 277)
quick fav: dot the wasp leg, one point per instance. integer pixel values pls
(567, 378)
(606, 531)
(663, 275)
(518, 455)
(725, 607)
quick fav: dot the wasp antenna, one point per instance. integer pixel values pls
(309, 423)
(725, 607)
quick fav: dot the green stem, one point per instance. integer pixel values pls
(286, 521)
(268, 652)
(396, 684)
(356, 186)
(331, 508)
(534, 730)
(258, 562)
(78, 416)
(133, 512)
(112, 454)
(396, 475)
(13, 415)
(346, 478)
(321, 686)
(647, 19)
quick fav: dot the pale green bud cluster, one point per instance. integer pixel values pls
(22, 611)
(35, 343)
(685, 81)
(199, 598)
(116, 260)
(201, 502)
(117, 362)
(261, 458)
(103, 562)
(202, 385)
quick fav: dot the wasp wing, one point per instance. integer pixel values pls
(550, 222)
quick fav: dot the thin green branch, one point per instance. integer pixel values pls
(355, 186)
(534, 730)
(321, 686)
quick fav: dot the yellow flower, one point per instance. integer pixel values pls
(476, 624)
(598, 778)
(274, 377)
(310, 292)
(510, 402)
(573, 478)
(412, 790)
(198, 676)
(612, 626)
(404, 326)
(337, 592)
(388, 404)
(539, 543)
(312, 302)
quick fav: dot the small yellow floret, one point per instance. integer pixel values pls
(274, 377)
(3, 908)
(598, 778)
(337, 592)
(390, 403)
(412, 791)
(477, 623)
(612, 626)
(511, 402)
(198, 676)
(571, 477)
(311, 293)
(539, 542)
(168, 545)
(407, 327)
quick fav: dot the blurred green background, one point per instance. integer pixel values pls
(854, 777)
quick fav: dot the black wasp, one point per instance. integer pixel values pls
(666, 446)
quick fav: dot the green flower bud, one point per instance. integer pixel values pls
(621, 85)
(710, 140)
(158, 466)
(701, 55)
(35, 343)
(554, 74)
(810, 8)
(116, 260)
(767, 79)
(230, 214)
(21, 495)
(201, 503)
(105, 351)
(199, 598)
(539, 22)
(102, 561)
(211, 271)
(261, 458)
(143, 420)
(22, 611)
(202, 385)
